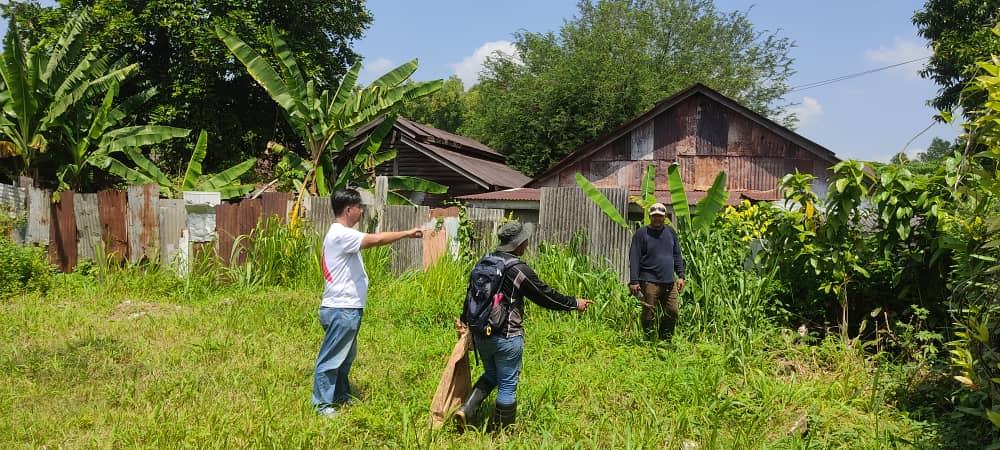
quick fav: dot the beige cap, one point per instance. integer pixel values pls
(657, 209)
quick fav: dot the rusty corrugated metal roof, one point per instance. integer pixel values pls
(522, 194)
(445, 139)
(492, 173)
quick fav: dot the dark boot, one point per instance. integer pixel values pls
(503, 416)
(468, 410)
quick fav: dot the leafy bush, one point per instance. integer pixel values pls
(24, 269)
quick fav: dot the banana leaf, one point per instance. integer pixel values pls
(601, 201)
(193, 172)
(139, 136)
(227, 177)
(260, 70)
(414, 184)
(393, 198)
(397, 75)
(678, 198)
(708, 207)
(148, 168)
(229, 192)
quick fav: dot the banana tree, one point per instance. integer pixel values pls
(43, 87)
(325, 120)
(708, 207)
(92, 144)
(226, 182)
(706, 210)
(365, 161)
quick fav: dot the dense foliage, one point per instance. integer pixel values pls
(612, 61)
(959, 33)
(200, 86)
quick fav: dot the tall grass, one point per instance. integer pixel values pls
(97, 368)
(275, 254)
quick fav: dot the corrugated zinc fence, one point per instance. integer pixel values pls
(137, 224)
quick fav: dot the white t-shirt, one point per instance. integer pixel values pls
(346, 279)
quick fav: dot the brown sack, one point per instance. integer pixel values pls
(456, 381)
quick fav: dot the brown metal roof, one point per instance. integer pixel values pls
(525, 194)
(425, 133)
(492, 173)
(589, 148)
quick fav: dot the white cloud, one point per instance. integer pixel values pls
(468, 70)
(900, 51)
(379, 66)
(808, 111)
(914, 153)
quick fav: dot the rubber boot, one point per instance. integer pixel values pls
(503, 416)
(468, 410)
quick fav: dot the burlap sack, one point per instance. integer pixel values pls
(456, 381)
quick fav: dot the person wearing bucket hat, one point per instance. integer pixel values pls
(502, 346)
(656, 273)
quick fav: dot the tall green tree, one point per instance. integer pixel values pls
(201, 86)
(937, 150)
(611, 62)
(442, 110)
(960, 34)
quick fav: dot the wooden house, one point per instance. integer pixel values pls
(465, 165)
(704, 132)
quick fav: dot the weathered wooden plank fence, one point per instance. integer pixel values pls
(136, 225)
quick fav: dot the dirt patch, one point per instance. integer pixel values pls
(128, 310)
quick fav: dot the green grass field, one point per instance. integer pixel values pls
(144, 360)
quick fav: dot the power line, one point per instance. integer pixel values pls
(853, 75)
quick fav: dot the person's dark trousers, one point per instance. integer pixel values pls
(659, 308)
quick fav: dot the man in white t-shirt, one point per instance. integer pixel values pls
(344, 298)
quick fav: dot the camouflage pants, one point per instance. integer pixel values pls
(659, 308)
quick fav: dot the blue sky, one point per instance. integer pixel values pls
(870, 117)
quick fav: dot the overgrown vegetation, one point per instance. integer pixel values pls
(130, 358)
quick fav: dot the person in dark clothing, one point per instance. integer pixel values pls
(501, 351)
(656, 273)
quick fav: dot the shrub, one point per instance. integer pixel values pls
(24, 269)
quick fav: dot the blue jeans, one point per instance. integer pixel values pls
(502, 363)
(336, 354)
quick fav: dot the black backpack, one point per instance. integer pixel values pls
(486, 308)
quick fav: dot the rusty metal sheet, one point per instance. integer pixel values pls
(319, 212)
(564, 212)
(641, 142)
(143, 221)
(62, 233)
(706, 169)
(13, 198)
(173, 232)
(668, 130)
(39, 215)
(227, 228)
(88, 225)
(112, 209)
(248, 216)
(15, 202)
(407, 254)
(275, 204)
